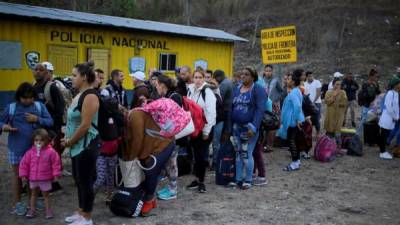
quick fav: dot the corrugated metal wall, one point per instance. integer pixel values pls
(37, 37)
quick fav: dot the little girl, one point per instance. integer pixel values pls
(40, 165)
(20, 119)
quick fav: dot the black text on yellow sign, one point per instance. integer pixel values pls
(278, 45)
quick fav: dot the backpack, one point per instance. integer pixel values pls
(325, 149)
(225, 168)
(168, 115)
(110, 119)
(308, 106)
(270, 121)
(13, 106)
(362, 95)
(199, 120)
(127, 202)
(219, 106)
(65, 92)
(355, 147)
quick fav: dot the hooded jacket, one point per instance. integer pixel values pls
(208, 105)
(44, 165)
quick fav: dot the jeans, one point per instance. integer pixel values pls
(350, 105)
(216, 143)
(151, 176)
(364, 113)
(393, 133)
(244, 160)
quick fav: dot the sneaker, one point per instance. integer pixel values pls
(147, 207)
(49, 214)
(246, 186)
(30, 213)
(75, 217)
(202, 188)
(385, 155)
(82, 221)
(20, 209)
(260, 181)
(292, 167)
(66, 173)
(163, 190)
(231, 184)
(167, 195)
(305, 155)
(193, 185)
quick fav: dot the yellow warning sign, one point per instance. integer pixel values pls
(278, 45)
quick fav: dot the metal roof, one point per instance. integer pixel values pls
(113, 21)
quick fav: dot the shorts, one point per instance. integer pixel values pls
(42, 185)
(13, 158)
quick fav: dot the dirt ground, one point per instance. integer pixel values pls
(347, 191)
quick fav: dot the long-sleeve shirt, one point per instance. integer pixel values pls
(248, 107)
(350, 87)
(208, 105)
(390, 112)
(21, 140)
(273, 87)
(292, 112)
(226, 90)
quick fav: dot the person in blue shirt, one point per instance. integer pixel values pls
(247, 111)
(20, 119)
(292, 118)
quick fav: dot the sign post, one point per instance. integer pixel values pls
(278, 45)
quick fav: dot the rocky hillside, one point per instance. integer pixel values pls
(332, 35)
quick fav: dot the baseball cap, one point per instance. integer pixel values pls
(48, 66)
(337, 74)
(139, 75)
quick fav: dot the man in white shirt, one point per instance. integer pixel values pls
(313, 88)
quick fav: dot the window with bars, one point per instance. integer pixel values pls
(167, 62)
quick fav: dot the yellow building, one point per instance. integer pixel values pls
(30, 34)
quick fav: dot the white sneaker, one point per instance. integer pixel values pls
(75, 217)
(82, 221)
(385, 155)
(66, 173)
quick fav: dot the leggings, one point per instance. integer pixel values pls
(171, 169)
(383, 139)
(84, 173)
(106, 172)
(258, 157)
(200, 152)
(293, 141)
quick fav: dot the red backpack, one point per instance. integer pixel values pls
(199, 120)
(325, 149)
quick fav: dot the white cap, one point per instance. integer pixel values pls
(337, 75)
(139, 75)
(48, 66)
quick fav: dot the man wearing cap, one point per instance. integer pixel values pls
(114, 88)
(335, 75)
(54, 103)
(141, 92)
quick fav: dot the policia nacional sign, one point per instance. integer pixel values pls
(278, 45)
(98, 39)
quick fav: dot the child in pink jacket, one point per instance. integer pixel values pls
(40, 165)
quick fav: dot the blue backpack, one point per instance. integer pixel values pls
(13, 106)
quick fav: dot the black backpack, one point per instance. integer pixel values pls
(309, 108)
(110, 119)
(270, 121)
(355, 147)
(127, 202)
(219, 105)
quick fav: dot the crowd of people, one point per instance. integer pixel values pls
(52, 115)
